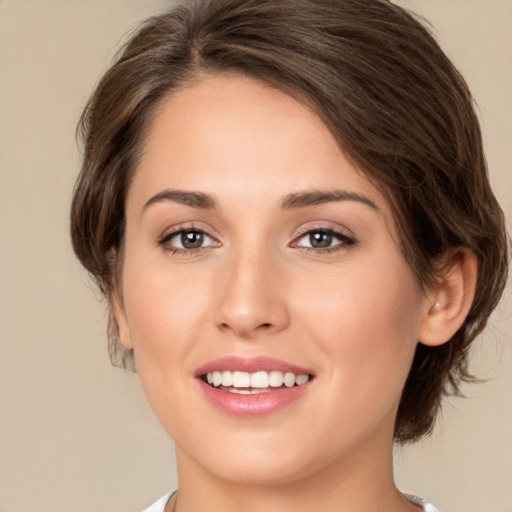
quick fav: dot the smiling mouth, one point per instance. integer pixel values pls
(245, 383)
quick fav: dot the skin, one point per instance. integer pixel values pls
(353, 315)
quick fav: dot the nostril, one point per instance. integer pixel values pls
(245, 331)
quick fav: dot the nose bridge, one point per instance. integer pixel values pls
(250, 300)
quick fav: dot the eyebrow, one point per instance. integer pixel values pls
(290, 202)
(193, 199)
(313, 198)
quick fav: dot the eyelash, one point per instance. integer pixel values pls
(164, 241)
(344, 241)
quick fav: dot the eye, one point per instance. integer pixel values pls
(323, 239)
(188, 240)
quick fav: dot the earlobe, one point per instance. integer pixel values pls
(450, 302)
(121, 321)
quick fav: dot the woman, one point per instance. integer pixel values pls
(287, 207)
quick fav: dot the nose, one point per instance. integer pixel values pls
(251, 297)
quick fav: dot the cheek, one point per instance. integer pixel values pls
(380, 305)
(366, 323)
(165, 311)
(162, 305)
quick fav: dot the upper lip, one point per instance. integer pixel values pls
(250, 365)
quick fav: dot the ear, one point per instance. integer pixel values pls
(118, 309)
(449, 303)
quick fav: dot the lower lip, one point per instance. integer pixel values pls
(251, 406)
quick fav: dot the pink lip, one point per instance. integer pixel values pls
(251, 406)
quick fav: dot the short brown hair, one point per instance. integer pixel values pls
(399, 109)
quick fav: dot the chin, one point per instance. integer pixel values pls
(263, 459)
(255, 470)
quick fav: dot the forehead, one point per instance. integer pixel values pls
(236, 136)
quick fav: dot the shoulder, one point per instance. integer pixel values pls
(427, 507)
(159, 505)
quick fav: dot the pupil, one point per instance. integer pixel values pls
(320, 240)
(192, 239)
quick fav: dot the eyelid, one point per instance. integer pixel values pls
(326, 226)
(345, 239)
(164, 239)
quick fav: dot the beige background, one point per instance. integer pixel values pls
(75, 434)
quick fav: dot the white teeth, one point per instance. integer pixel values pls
(289, 379)
(301, 379)
(276, 379)
(227, 379)
(241, 380)
(217, 379)
(240, 391)
(244, 391)
(254, 382)
(259, 380)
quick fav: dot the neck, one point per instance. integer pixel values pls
(362, 482)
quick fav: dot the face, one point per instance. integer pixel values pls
(271, 313)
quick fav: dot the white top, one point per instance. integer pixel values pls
(427, 507)
(159, 505)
